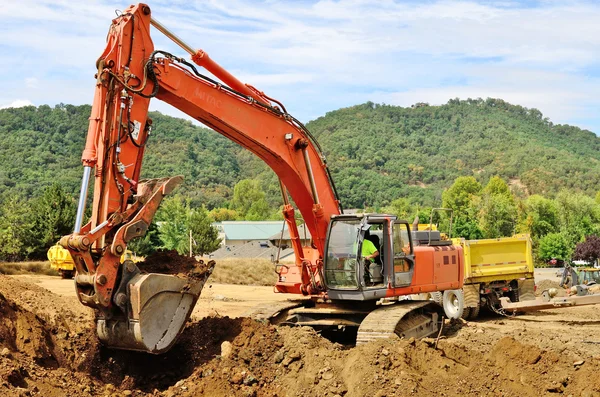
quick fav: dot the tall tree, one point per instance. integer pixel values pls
(554, 245)
(579, 216)
(16, 240)
(541, 216)
(205, 237)
(249, 200)
(177, 221)
(148, 243)
(223, 214)
(53, 216)
(172, 223)
(497, 210)
(497, 216)
(460, 195)
(463, 197)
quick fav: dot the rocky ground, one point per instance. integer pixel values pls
(48, 348)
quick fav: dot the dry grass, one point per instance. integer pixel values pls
(11, 268)
(244, 272)
(227, 271)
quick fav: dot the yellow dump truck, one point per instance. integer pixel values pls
(61, 260)
(496, 268)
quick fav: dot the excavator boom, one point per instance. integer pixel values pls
(148, 311)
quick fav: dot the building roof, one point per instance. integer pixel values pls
(302, 229)
(249, 230)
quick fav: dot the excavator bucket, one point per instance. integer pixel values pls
(158, 306)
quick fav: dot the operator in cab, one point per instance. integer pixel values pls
(369, 254)
(369, 251)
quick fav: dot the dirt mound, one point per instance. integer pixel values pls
(170, 262)
(56, 310)
(547, 284)
(41, 354)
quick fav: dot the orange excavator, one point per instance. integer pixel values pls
(147, 311)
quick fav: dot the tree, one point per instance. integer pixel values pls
(172, 224)
(205, 237)
(541, 216)
(53, 216)
(497, 210)
(249, 200)
(259, 210)
(15, 230)
(146, 244)
(554, 245)
(467, 229)
(460, 195)
(175, 222)
(497, 216)
(589, 250)
(223, 214)
(578, 215)
(497, 186)
(402, 208)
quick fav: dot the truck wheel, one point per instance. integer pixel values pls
(514, 295)
(466, 313)
(474, 312)
(453, 302)
(67, 274)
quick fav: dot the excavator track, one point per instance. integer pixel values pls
(416, 319)
(273, 312)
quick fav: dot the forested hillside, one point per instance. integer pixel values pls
(41, 146)
(377, 153)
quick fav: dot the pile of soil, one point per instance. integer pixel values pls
(547, 284)
(46, 355)
(170, 262)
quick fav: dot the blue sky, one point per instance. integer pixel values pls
(318, 56)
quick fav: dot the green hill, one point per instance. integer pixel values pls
(377, 153)
(40, 146)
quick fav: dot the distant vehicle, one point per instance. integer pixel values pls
(579, 275)
(61, 260)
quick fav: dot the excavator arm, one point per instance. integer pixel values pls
(147, 312)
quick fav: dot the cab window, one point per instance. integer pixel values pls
(342, 249)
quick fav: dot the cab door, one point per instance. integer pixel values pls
(402, 254)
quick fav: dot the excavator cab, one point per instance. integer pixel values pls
(348, 274)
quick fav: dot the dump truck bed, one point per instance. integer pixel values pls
(60, 258)
(498, 259)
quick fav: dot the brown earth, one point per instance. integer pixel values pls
(547, 284)
(170, 262)
(48, 348)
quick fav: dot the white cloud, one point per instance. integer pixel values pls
(17, 103)
(321, 55)
(31, 82)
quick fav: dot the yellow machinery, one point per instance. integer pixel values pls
(61, 260)
(496, 268)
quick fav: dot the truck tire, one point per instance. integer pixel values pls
(474, 312)
(466, 313)
(526, 290)
(514, 295)
(453, 302)
(67, 274)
